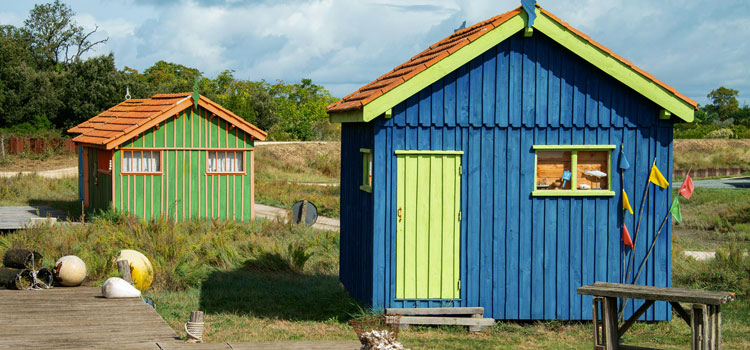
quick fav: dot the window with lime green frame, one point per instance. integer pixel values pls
(573, 170)
(366, 170)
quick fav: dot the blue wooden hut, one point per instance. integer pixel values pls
(454, 189)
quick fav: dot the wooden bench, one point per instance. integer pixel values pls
(704, 318)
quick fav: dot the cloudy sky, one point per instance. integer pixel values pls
(693, 45)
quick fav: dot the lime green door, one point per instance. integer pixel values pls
(428, 231)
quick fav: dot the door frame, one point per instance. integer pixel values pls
(392, 300)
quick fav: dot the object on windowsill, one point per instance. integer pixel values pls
(566, 177)
(584, 187)
(543, 184)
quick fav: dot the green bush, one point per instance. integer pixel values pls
(183, 254)
(701, 131)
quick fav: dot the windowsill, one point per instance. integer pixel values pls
(366, 188)
(235, 173)
(571, 193)
(150, 173)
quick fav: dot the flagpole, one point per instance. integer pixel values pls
(622, 205)
(643, 263)
(631, 261)
(669, 212)
(640, 216)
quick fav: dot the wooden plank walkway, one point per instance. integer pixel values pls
(79, 318)
(16, 218)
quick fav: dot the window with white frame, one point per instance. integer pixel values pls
(225, 162)
(141, 162)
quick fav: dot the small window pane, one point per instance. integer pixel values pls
(369, 169)
(126, 161)
(592, 170)
(553, 170)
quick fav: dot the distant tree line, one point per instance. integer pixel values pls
(722, 118)
(45, 83)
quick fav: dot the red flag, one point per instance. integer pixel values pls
(686, 190)
(626, 237)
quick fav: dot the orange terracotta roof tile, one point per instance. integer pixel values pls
(109, 126)
(451, 44)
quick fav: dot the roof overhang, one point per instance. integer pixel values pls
(180, 106)
(553, 28)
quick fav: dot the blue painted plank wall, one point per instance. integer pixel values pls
(356, 248)
(522, 257)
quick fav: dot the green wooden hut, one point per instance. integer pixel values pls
(170, 156)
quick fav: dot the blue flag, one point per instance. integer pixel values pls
(623, 161)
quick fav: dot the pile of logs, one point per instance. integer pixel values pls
(22, 270)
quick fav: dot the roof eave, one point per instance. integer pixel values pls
(681, 107)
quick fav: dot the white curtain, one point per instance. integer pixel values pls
(141, 161)
(225, 162)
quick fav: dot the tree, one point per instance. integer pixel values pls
(724, 102)
(302, 109)
(55, 37)
(92, 86)
(168, 77)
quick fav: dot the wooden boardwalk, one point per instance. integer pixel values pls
(16, 218)
(79, 318)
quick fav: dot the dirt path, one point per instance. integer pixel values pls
(50, 174)
(269, 212)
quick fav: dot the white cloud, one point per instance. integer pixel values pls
(692, 45)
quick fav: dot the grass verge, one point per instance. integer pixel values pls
(34, 190)
(713, 217)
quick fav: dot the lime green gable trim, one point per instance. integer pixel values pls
(614, 67)
(574, 147)
(427, 152)
(569, 193)
(432, 74)
(347, 117)
(365, 150)
(366, 188)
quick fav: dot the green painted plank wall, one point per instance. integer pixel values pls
(99, 184)
(184, 191)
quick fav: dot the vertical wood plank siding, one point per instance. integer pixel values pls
(522, 257)
(99, 184)
(184, 191)
(356, 248)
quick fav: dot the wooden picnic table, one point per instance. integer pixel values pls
(704, 318)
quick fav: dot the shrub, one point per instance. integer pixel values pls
(723, 133)
(729, 271)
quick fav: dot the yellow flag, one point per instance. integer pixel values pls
(626, 202)
(657, 178)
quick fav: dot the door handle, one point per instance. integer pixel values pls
(400, 213)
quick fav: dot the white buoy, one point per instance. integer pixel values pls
(70, 271)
